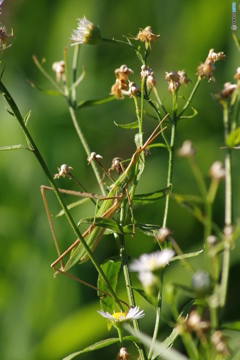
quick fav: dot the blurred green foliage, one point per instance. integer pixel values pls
(47, 318)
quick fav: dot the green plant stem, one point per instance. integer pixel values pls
(128, 282)
(228, 208)
(72, 110)
(42, 163)
(170, 159)
(157, 321)
(188, 102)
(126, 43)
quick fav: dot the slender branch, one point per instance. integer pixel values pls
(72, 110)
(228, 208)
(188, 102)
(128, 282)
(157, 323)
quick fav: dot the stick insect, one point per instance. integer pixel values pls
(111, 204)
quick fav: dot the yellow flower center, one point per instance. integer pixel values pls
(119, 315)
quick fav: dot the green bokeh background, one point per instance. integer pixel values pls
(46, 318)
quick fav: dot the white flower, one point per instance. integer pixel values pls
(86, 33)
(147, 279)
(133, 314)
(151, 262)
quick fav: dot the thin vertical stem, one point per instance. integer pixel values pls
(170, 159)
(128, 282)
(72, 109)
(228, 208)
(157, 322)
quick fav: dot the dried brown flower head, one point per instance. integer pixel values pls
(121, 85)
(175, 79)
(206, 69)
(149, 75)
(146, 35)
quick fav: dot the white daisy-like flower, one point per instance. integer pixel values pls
(152, 262)
(86, 33)
(147, 279)
(119, 317)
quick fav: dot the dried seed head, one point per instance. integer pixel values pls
(59, 68)
(133, 90)
(220, 343)
(149, 75)
(217, 170)
(237, 75)
(175, 79)
(86, 33)
(116, 165)
(4, 37)
(123, 354)
(121, 85)
(213, 56)
(206, 69)
(195, 323)
(187, 149)
(93, 156)
(146, 35)
(123, 72)
(228, 90)
(63, 171)
(163, 233)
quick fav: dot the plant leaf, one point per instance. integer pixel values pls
(150, 299)
(73, 205)
(50, 92)
(14, 147)
(101, 222)
(147, 229)
(141, 162)
(236, 40)
(233, 138)
(85, 103)
(99, 345)
(144, 199)
(232, 326)
(132, 125)
(190, 116)
(111, 269)
(160, 349)
(186, 256)
(157, 145)
(27, 117)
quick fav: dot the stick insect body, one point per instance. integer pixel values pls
(110, 205)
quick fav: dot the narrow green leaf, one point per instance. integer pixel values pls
(232, 326)
(133, 125)
(144, 199)
(10, 112)
(86, 103)
(101, 222)
(111, 269)
(73, 205)
(186, 256)
(236, 41)
(50, 92)
(100, 345)
(195, 210)
(157, 145)
(190, 116)
(150, 299)
(233, 138)
(27, 117)
(14, 147)
(147, 229)
(160, 348)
